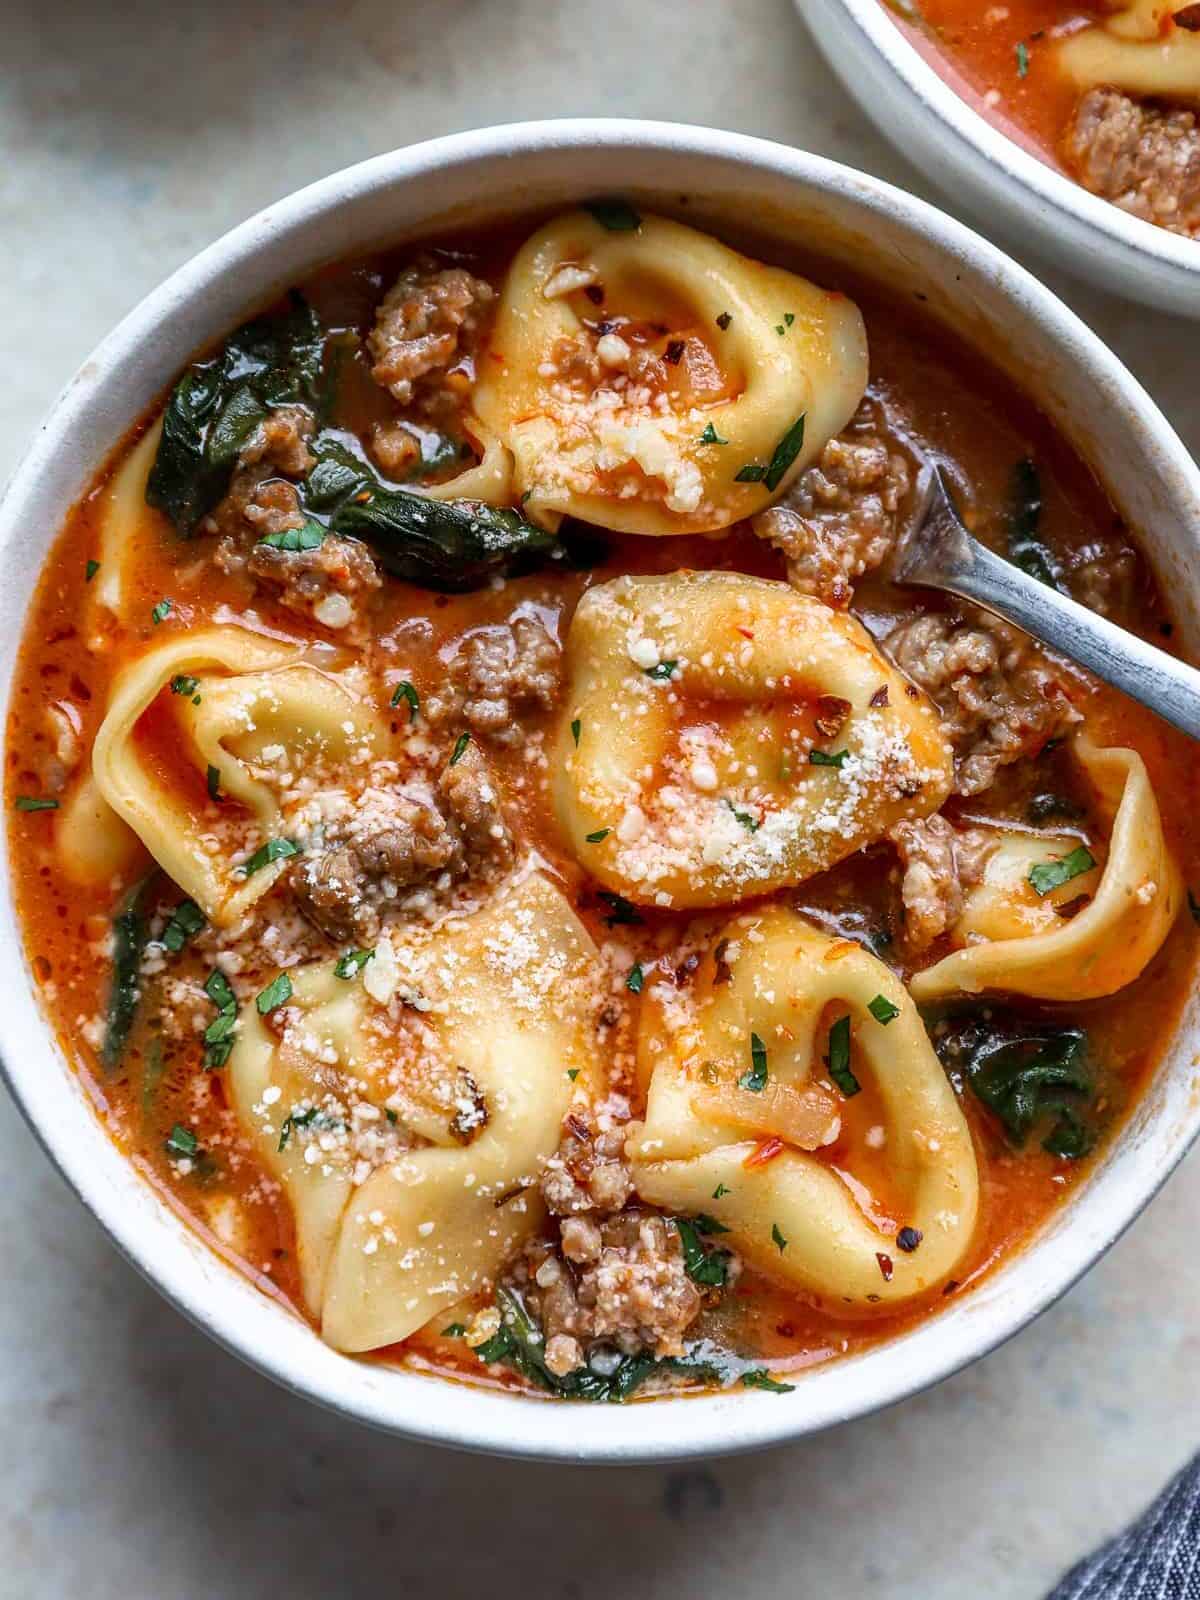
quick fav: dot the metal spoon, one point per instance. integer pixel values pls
(939, 553)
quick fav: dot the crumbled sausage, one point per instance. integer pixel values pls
(1000, 697)
(940, 863)
(1143, 157)
(281, 441)
(588, 1173)
(1104, 578)
(630, 1289)
(495, 674)
(426, 324)
(345, 889)
(842, 516)
(475, 811)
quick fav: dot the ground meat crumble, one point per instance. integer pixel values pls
(1143, 157)
(940, 864)
(428, 839)
(616, 1274)
(1000, 697)
(843, 514)
(429, 321)
(497, 674)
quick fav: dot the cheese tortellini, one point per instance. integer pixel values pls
(1011, 938)
(650, 379)
(1140, 49)
(775, 987)
(190, 752)
(723, 736)
(409, 1111)
(125, 523)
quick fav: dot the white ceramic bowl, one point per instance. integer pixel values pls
(705, 176)
(1004, 185)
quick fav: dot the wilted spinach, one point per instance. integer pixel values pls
(217, 404)
(131, 933)
(449, 545)
(1029, 1077)
(1025, 549)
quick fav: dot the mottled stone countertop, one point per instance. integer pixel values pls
(138, 1459)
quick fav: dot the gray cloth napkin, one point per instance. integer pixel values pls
(1158, 1558)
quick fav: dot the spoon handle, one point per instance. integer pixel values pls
(943, 555)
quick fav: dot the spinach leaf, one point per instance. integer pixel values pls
(1029, 1078)
(519, 1343)
(217, 404)
(449, 545)
(708, 1268)
(131, 933)
(1025, 549)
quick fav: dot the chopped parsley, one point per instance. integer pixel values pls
(720, 1192)
(90, 571)
(576, 726)
(635, 978)
(711, 436)
(621, 913)
(1022, 59)
(273, 850)
(181, 1141)
(405, 691)
(1050, 875)
(777, 1238)
(572, 1073)
(709, 1268)
(454, 1330)
(618, 216)
(662, 672)
(756, 1078)
(785, 452)
(214, 783)
(752, 472)
(277, 993)
(750, 823)
(295, 1119)
(309, 537)
(724, 320)
(882, 1009)
(161, 612)
(186, 919)
(838, 1059)
(351, 963)
(30, 802)
(826, 758)
(218, 1036)
(182, 684)
(760, 1378)
(788, 318)
(599, 835)
(460, 749)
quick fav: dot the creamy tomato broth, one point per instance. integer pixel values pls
(1107, 93)
(510, 867)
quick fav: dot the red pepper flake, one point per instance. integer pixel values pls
(579, 1128)
(674, 352)
(951, 1286)
(831, 715)
(885, 1265)
(880, 697)
(594, 293)
(912, 691)
(908, 1239)
(763, 1153)
(746, 633)
(724, 971)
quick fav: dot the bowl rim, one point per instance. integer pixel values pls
(1100, 220)
(409, 1404)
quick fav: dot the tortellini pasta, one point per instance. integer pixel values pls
(230, 711)
(1140, 49)
(93, 844)
(775, 985)
(409, 1111)
(1015, 940)
(124, 520)
(652, 380)
(724, 736)
(489, 480)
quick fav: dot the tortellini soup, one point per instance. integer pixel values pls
(516, 871)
